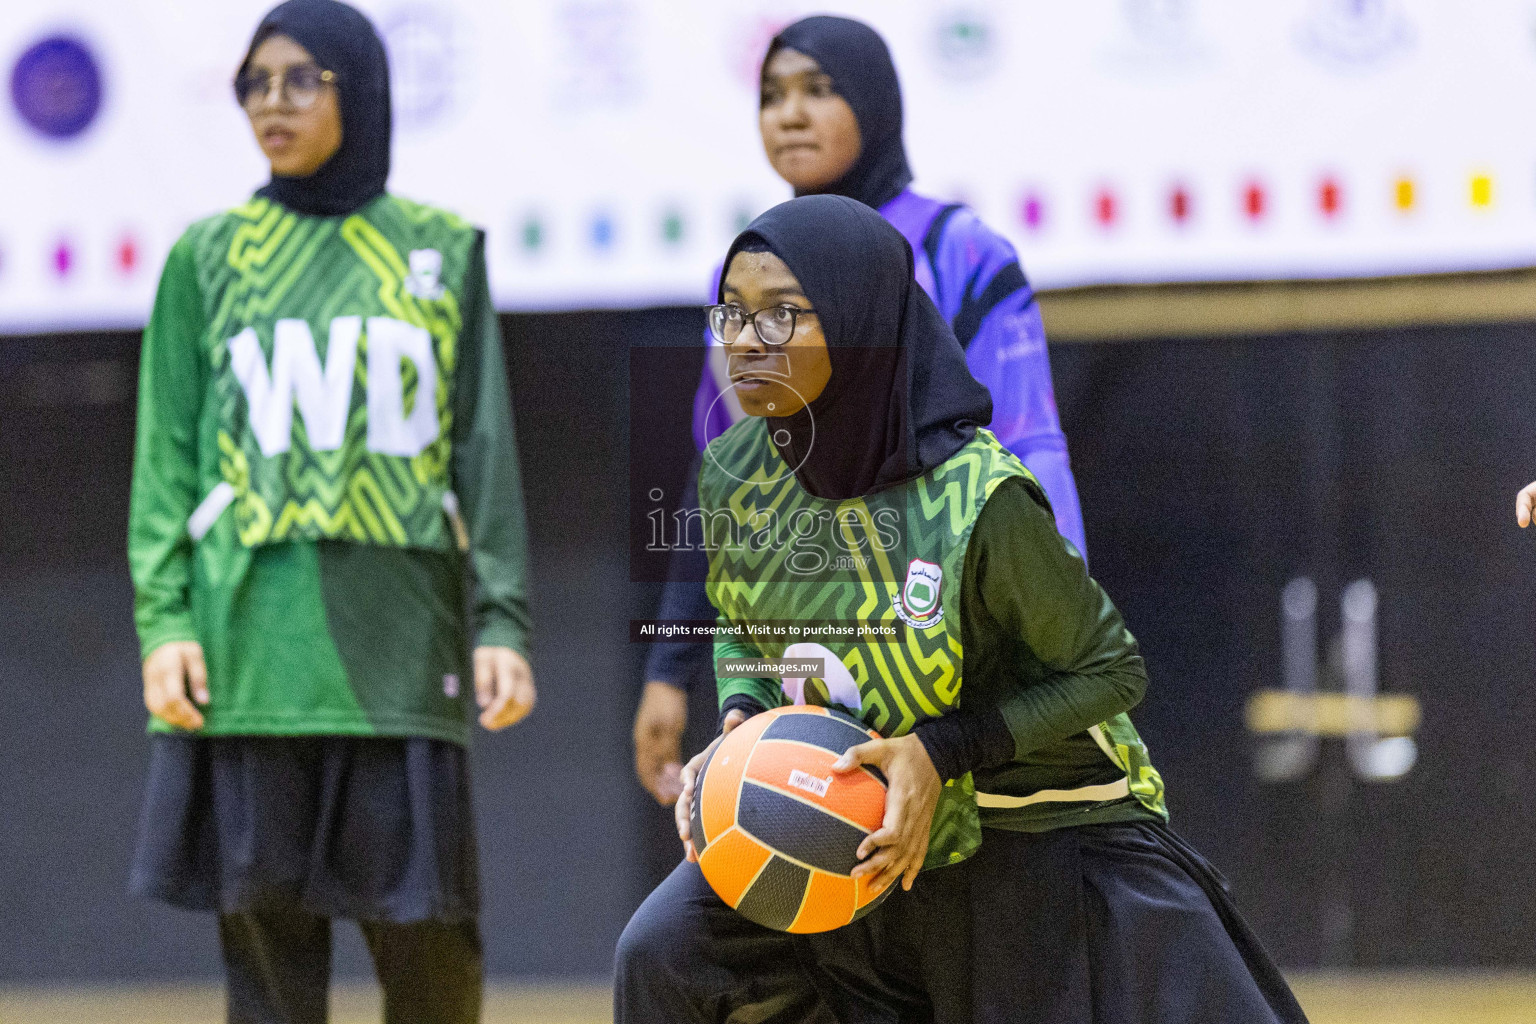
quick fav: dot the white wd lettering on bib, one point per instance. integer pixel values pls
(324, 396)
(390, 430)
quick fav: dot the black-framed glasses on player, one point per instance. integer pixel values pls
(298, 86)
(774, 324)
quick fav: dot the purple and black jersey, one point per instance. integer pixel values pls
(973, 275)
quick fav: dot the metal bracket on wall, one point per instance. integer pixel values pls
(1377, 729)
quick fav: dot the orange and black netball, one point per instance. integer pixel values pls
(777, 830)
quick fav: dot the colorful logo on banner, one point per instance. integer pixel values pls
(1255, 201)
(1482, 190)
(1106, 207)
(56, 87)
(674, 228)
(1157, 36)
(965, 45)
(1181, 204)
(1330, 197)
(1355, 34)
(424, 65)
(603, 232)
(601, 62)
(530, 233)
(127, 255)
(1032, 211)
(62, 258)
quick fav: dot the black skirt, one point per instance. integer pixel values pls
(1127, 923)
(374, 829)
(1097, 924)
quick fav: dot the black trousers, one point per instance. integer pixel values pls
(1098, 924)
(687, 958)
(279, 968)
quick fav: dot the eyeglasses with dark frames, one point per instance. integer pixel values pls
(775, 325)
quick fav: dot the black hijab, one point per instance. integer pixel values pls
(900, 400)
(342, 40)
(856, 59)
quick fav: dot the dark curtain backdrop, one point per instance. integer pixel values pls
(1211, 472)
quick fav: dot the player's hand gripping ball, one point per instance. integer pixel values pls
(777, 830)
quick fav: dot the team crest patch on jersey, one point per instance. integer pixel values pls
(918, 603)
(426, 268)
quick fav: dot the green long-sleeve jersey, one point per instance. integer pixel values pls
(1046, 646)
(325, 452)
(998, 611)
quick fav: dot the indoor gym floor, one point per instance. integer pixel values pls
(1389, 998)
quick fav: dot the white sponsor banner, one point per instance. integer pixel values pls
(609, 147)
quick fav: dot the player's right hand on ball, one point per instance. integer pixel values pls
(684, 807)
(1524, 501)
(171, 672)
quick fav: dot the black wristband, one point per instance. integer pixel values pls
(735, 701)
(962, 742)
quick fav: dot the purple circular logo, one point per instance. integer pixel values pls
(56, 87)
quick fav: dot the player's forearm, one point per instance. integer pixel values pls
(966, 741)
(1085, 666)
(1094, 667)
(161, 616)
(487, 478)
(164, 493)
(1067, 704)
(164, 490)
(501, 607)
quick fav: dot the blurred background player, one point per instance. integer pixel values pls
(831, 122)
(300, 579)
(1002, 708)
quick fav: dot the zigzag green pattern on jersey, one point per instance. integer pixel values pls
(902, 683)
(376, 252)
(1131, 754)
(270, 255)
(270, 269)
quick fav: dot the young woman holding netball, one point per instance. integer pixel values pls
(1040, 883)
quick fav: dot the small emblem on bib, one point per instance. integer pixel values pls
(918, 603)
(426, 266)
